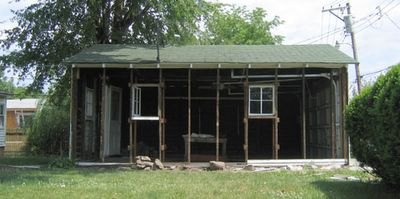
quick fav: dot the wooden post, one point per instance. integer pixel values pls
(344, 92)
(160, 144)
(217, 116)
(303, 114)
(189, 115)
(130, 121)
(73, 114)
(333, 116)
(135, 133)
(276, 120)
(163, 119)
(102, 114)
(246, 116)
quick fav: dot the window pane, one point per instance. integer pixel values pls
(1, 109)
(267, 107)
(255, 107)
(255, 93)
(267, 93)
(1, 122)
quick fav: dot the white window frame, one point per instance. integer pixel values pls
(261, 100)
(136, 102)
(20, 118)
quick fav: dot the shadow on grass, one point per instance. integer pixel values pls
(21, 176)
(362, 190)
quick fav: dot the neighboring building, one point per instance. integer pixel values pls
(20, 113)
(256, 102)
(3, 105)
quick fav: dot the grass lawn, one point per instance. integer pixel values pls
(114, 183)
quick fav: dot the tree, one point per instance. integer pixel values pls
(18, 92)
(51, 30)
(228, 24)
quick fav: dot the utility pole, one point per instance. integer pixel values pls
(347, 19)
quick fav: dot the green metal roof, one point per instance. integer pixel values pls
(211, 54)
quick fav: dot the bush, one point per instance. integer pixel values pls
(373, 124)
(50, 129)
(62, 163)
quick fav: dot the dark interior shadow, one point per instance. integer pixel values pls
(353, 189)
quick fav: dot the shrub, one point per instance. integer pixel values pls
(373, 124)
(62, 163)
(49, 133)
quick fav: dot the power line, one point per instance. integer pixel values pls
(375, 72)
(394, 23)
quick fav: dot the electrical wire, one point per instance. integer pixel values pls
(394, 23)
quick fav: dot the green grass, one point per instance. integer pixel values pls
(25, 160)
(113, 183)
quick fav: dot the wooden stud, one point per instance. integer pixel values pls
(73, 115)
(135, 124)
(333, 116)
(189, 115)
(102, 114)
(303, 114)
(344, 86)
(246, 116)
(163, 120)
(130, 122)
(276, 120)
(159, 112)
(217, 116)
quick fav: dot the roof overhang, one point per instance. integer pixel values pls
(208, 65)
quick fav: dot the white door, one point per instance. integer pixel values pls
(112, 134)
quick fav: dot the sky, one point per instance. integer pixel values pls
(377, 34)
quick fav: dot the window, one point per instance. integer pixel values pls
(261, 100)
(89, 103)
(2, 116)
(136, 96)
(24, 120)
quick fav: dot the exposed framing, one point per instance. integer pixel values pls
(217, 116)
(303, 114)
(73, 113)
(189, 115)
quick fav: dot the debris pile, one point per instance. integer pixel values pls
(145, 163)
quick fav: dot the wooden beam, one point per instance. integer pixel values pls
(333, 116)
(344, 92)
(73, 114)
(189, 116)
(102, 114)
(163, 120)
(276, 120)
(303, 114)
(130, 123)
(217, 116)
(135, 133)
(159, 113)
(246, 116)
